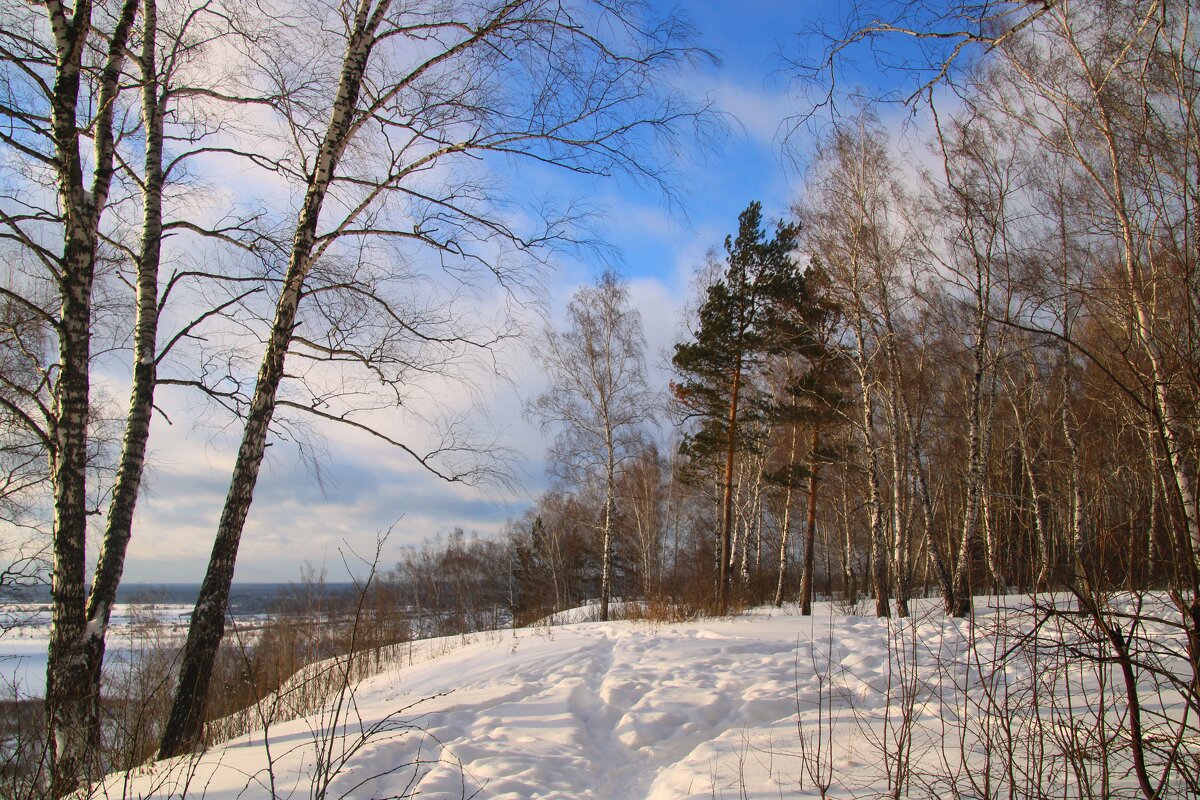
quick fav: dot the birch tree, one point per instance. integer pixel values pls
(1118, 83)
(61, 101)
(137, 155)
(848, 208)
(977, 245)
(598, 397)
(173, 71)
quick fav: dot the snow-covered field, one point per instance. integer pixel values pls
(23, 646)
(764, 705)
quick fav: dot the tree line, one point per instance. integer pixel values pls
(968, 369)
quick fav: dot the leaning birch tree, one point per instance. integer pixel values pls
(182, 101)
(387, 134)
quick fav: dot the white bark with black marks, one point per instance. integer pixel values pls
(68, 696)
(207, 627)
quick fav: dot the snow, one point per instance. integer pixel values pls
(23, 662)
(755, 706)
(23, 647)
(97, 624)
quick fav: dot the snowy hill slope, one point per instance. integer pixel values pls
(765, 705)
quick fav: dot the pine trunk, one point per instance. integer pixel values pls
(810, 533)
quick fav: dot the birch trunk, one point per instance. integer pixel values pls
(609, 503)
(68, 699)
(901, 556)
(932, 540)
(724, 576)
(739, 517)
(875, 517)
(849, 578)
(969, 543)
(185, 724)
(1041, 526)
(970, 530)
(115, 543)
(757, 517)
(1110, 179)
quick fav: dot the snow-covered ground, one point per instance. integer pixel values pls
(23, 645)
(764, 705)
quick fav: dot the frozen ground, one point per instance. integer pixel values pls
(23, 646)
(765, 705)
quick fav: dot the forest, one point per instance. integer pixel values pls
(965, 376)
(960, 367)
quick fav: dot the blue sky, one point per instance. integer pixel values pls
(367, 488)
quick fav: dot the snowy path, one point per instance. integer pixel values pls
(612, 716)
(619, 712)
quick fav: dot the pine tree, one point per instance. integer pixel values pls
(747, 315)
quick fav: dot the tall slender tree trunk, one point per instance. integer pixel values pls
(68, 696)
(878, 550)
(973, 510)
(995, 564)
(849, 578)
(724, 576)
(185, 724)
(970, 531)
(786, 525)
(810, 529)
(751, 518)
(1041, 526)
(111, 563)
(67, 700)
(1175, 554)
(610, 488)
(741, 523)
(1078, 538)
(933, 542)
(901, 549)
(756, 517)
(1172, 427)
